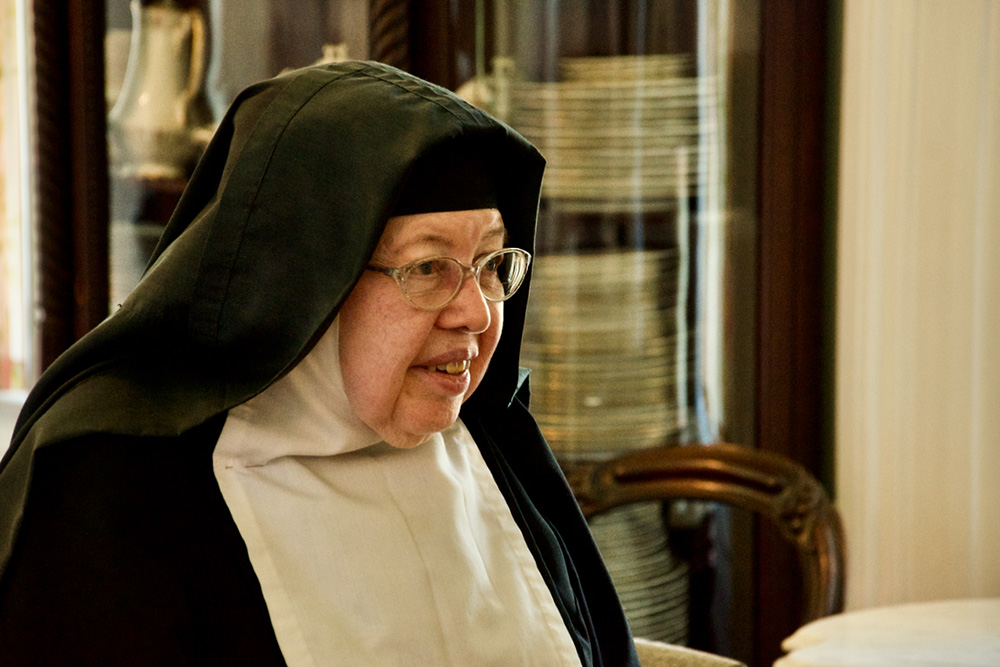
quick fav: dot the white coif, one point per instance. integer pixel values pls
(372, 555)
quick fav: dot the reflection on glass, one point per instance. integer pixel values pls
(627, 100)
(624, 101)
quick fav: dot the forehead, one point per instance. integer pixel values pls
(444, 231)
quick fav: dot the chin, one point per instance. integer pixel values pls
(408, 433)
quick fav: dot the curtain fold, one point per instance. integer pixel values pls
(918, 300)
(14, 253)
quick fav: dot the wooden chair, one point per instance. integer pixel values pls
(766, 483)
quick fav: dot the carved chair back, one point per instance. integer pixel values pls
(767, 483)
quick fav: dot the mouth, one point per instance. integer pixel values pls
(452, 367)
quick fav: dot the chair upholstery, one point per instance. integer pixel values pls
(766, 483)
(658, 654)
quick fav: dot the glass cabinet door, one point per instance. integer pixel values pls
(629, 102)
(643, 282)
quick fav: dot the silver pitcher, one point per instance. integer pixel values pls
(161, 122)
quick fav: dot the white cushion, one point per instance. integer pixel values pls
(657, 654)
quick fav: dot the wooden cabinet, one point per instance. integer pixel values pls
(774, 331)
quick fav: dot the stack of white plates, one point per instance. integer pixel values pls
(621, 137)
(618, 133)
(600, 338)
(652, 584)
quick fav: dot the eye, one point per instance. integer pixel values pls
(429, 267)
(494, 263)
(429, 273)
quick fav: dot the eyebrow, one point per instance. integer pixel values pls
(437, 239)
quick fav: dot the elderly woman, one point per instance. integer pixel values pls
(303, 439)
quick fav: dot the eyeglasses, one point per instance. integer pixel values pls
(432, 283)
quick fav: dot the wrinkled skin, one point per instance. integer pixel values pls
(393, 354)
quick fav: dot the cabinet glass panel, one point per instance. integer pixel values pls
(173, 68)
(641, 327)
(645, 230)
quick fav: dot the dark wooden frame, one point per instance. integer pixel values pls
(792, 302)
(72, 177)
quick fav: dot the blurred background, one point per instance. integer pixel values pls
(774, 223)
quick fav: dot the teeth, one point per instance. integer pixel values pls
(454, 367)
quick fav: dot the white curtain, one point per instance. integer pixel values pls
(17, 335)
(918, 303)
(15, 253)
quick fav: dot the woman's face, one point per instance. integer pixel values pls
(407, 371)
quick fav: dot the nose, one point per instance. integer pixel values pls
(468, 311)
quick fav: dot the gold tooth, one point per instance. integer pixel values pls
(456, 367)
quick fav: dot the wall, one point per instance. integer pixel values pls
(10, 406)
(918, 300)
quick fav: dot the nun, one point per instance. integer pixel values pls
(304, 438)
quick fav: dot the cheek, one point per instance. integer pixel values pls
(371, 353)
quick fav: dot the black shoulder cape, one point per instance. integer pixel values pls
(116, 546)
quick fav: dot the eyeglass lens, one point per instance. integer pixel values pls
(432, 283)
